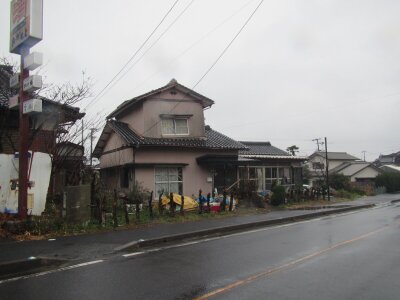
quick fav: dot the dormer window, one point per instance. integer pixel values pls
(174, 126)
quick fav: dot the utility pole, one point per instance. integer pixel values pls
(91, 144)
(317, 140)
(363, 152)
(327, 168)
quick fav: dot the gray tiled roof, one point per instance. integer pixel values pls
(212, 140)
(173, 84)
(261, 148)
(351, 168)
(335, 155)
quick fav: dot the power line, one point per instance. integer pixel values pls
(182, 53)
(155, 42)
(231, 42)
(214, 63)
(134, 55)
(196, 42)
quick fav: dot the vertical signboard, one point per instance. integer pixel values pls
(26, 24)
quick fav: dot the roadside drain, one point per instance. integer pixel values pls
(28, 266)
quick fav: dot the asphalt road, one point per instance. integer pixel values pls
(351, 256)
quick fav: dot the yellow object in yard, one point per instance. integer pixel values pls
(189, 204)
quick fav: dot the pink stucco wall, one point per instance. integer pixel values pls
(194, 176)
(145, 118)
(135, 119)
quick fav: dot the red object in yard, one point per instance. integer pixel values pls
(215, 208)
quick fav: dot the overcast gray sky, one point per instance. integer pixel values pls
(301, 69)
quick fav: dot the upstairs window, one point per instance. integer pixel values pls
(318, 166)
(174, 127)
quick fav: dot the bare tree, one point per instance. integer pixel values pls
(60, 128)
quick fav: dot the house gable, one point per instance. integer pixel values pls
(147, 114)
(116, 151)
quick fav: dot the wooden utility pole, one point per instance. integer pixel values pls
(317, 140)
(327, 168)
(363, 152)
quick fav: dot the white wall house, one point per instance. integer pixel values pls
(317, 163)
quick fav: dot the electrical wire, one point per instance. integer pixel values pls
(229, 45)
(133, 56)
(182, 53)
(152, 45)
(213, 64)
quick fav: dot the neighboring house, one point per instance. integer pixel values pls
(158, 139)
(389, 159)
(357, 171)
(43, 126)
(390, 168)
(317, 163)
(42, 132)
(267, 165)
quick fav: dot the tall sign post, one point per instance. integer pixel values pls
(26, 29)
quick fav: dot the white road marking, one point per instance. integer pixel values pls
(133, 254)
(52, 271)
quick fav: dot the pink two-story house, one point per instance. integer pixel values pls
(159, 140)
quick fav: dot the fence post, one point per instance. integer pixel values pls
(223, 201)
(160, 207)
(208, 202)
(126, 210)
(182, 204)
(171, 204)
(200, 202)
(151, 205)
(103, 211)
(231, 202)
(137, 209)
(114, 209)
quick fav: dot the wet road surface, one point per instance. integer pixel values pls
(350, 256)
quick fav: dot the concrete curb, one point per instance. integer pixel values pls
(134, 245)
(27, 266)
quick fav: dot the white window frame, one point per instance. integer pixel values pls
(174, 129)
(168, 182)
(266, 177)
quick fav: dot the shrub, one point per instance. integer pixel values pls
(391, 181)
(138, 194)
(247, 188)
(278, 196)
(339, 182)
